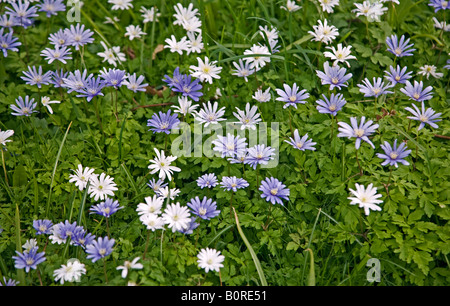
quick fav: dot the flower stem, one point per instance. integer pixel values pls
(146, 245)
(104, 270)
(359, 165)
(4, 167)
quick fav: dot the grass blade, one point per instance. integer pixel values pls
(20, 272)
(311, 281)
(54, 169)
(252, 252)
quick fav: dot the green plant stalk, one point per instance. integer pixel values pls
(252, 252)
(83, 202)
(20, 272)
(54, 169)
(311, 281)
(4, 167)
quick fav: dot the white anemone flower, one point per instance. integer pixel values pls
(339, 54)
(4, 135)
(100, 187)
(205, 70)
(210, 260)
(248, 118)
(366, 198)
(177, 217)
(127, 265)
(81, 176)
(46, 102)
(162, 165)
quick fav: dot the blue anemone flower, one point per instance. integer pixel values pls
(163, 122)
(274, 191)
(333, 76)
(99, 248)
(106, 208)
(332, 105)
(24, 107)
(400, 47)
(43, 226)
(393, 154)
(8, 42)
(28, 259)
(205, 209)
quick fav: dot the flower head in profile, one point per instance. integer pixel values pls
(397, 75)
(112, 55)
(106, 208)
(376, 89)
(274, 191)
(248, 118)
(46, 101)
(35, 76)
(233, 183)
(417, 92)
(163, 122)
(333, 76)
(205, 209)
(70, 272)
(427, 70)
(400, 47)
(291, 6)
(101, 187)
(61, 54)
(176, 217)
(210, 260)
(100, 248)
(24, 107)
(243, 69)
(439, 5)
(206, 70)
(372, 10)
(292, 95)
(150, 14)
(8, 42)
(121, 4)
(393, 154)
(424, 116)
(339, 54)
(135, 83)
(152, 222)
(262, 96)
(301, 143)
(360, 131)
(128, 265)
(184, 106)
(161, 164)
(29, 259)
(323, 32)
(4, 135)
(208, 180)
(328, 5)
(366, 198)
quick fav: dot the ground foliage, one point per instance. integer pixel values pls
(410, 236)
